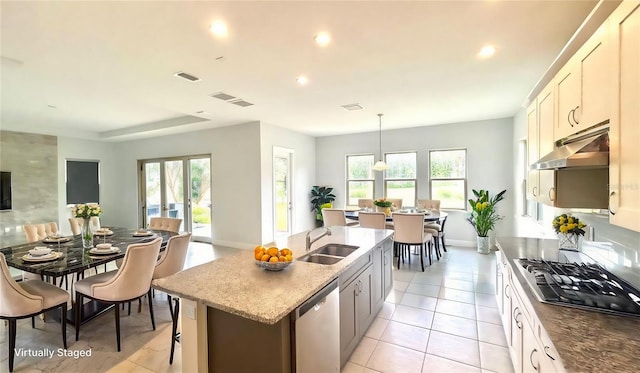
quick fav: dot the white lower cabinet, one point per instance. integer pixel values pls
(529, 345)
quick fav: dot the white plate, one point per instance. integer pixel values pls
(39, 251)
(143, 234)
(42, 258)
(102, 233)
(56, 239)
(109, 251)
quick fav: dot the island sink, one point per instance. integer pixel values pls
(329, 254)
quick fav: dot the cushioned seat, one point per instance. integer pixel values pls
(409, 231)
(85, 285)
(375, 220)
(165, 224)
(52, 296)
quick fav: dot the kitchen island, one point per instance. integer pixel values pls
(570, 339)
(235, 313)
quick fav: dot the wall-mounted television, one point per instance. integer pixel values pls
(5, 190)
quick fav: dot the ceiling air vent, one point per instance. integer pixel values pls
(186, 76)
(241, 102)
(222, 96)
(352, 107)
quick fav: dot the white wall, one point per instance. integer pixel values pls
(110, 178)
(304, 173)
(489, 163)
(235, 171)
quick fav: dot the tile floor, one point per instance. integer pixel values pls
(441, 320)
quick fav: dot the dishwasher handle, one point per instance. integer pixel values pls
(317, 300)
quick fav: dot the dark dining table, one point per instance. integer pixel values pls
(76, 259)
(431, 216)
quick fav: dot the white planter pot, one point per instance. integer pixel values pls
(484, 245)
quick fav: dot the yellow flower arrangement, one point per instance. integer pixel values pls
(568, 224)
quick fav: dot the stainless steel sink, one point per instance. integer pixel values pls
(336, 249)
(329, 254)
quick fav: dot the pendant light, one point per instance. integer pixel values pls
(380, 165)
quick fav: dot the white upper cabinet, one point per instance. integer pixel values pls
(624, 169)
(546, 115)
(582, 87)
(532, 150)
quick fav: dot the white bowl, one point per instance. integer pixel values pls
(103, 246)
(39, 251)
(142, 231)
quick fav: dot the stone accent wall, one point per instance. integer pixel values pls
(32, 160)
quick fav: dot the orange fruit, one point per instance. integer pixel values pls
(265, 257)
(289, 257)
(258, 255)
(285, 251)
(273, 251)
(274, 259)
(258, 248)
(282, 258)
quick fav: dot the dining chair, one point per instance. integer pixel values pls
(409, 231)
(377, 220)
(131, 281)
(333, 217)
(434, 204)
(165, 224)
(37, 232)
(170, 263)
(365, 203)
(19, 300)
(431, 204)
(395, 202)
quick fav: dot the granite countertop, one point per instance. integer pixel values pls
(235, 284)
(587, 341)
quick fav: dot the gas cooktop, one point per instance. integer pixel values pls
(581, 285)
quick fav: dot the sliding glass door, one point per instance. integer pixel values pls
(178, 188)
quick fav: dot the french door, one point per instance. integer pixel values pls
(178, 187)
(282, 159)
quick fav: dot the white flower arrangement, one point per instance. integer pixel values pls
(86, 210)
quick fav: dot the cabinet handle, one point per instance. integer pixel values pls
(515, 317)
(573, 115)
(546, 353)
(506, 292)
(531, 359)
(535, 191)
(610, 210)
(569, 118)
(550, 197)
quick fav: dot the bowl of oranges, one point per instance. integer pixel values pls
(272, 258)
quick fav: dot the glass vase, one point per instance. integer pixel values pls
(569, 241)
(87, 234)
(484, 245)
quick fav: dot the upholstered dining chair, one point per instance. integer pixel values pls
(409, 231)
(165, 224)
(131, 281)
(37, 232)
(365, 203)
(19, 300)
(76, 224)
(333, 217)
(434, 204)
(377, 220)
(396, 202)
(170, 263)
(431, 204)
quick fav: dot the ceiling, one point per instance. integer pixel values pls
(105, 69)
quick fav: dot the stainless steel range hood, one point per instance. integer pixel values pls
(589, 150)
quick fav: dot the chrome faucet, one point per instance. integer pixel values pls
(327, 232)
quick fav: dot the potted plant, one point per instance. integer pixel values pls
(569, 229)
(383, 205)
(321, 197)
(483, 216)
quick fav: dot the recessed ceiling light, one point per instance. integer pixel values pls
(487, 51)
(219, 28)
(322, 39)
(302, 80)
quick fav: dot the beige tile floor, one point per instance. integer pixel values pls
(442, 320)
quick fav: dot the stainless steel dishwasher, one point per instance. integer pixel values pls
(317, 332)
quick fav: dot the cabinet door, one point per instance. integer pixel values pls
(388, 268)
(595, 82)
(517, 320)
(532, 150)
(377, 288)
(365, 307)
(349, 328)
(567, 83)
(624, 174)
(546, 115)
(531, 351)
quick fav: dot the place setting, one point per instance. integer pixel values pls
(104, 249)
(142, 232)
(41, 254)
(55, 238)
(104, 231)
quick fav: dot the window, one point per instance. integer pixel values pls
(359, 178)
(448, 178)
(400, 177)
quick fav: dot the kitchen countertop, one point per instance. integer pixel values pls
(587, 341)
(235, 284)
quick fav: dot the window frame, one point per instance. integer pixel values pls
(415, 179)
(347, 174)
(463, 179)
